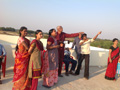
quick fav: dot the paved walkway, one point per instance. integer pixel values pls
(96, 81)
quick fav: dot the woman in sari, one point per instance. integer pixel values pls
(50, 63)
(112, 60)
(20, 78)
(35, 50)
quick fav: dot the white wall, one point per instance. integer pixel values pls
(98, 56)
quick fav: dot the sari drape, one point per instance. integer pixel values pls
(37, 72)
(50, 65)
(35, 64)
(50, 76)
(4, 66)
(111, 68)
(20, 78)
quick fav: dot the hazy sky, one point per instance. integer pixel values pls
(89, 16)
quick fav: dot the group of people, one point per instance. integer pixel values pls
(32, 61)
(82, 49)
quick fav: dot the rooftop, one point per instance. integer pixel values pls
(96, 81)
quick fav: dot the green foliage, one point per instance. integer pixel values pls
(7, 29)
(103, 43)
(2, 28)
(45, 36)
(30, 32)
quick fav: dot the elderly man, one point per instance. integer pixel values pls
(60, 39)
(2, 54)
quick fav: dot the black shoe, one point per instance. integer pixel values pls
(87, 78)
(67, 74)
(60, 75)
(75, 74)
(70, 72)
(46, 86)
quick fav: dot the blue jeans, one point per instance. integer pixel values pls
(68, 60)
(78, 54)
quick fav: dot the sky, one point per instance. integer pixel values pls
(89, 16)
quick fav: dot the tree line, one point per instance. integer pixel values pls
(7, 29)
(102, 43)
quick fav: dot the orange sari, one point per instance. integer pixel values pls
(20, 78)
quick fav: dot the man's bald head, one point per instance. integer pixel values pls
(59, 29)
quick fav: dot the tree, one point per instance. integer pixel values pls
(2, 28)
(10, 29)
(7, 29)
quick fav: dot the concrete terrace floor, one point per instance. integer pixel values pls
(96, 81)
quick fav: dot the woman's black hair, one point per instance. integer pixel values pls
(36, 32)
(50, 31)
(83, 35)
(16, 48)
(115, 39)
(21, 29)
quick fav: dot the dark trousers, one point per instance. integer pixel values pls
(67, 61)
(79, 57)
(0, 66)
(86, 72)
(61, 58)
(0, 63)
(78, 54)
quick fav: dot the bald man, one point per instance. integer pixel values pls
(60, 39)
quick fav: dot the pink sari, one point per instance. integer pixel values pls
(50, 65)
(50, 76)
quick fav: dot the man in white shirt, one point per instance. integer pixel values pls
(85, 54)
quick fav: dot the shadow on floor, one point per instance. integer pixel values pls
(94, 71)
(8, 76)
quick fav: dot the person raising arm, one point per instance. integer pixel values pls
(86, 39)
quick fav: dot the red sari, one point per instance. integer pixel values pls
(111, 68)
(4, 66)
(20, 78)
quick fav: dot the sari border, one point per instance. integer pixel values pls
(115, 49)
(115, 56)
(36, 69)
(109, 78)
(37, 77)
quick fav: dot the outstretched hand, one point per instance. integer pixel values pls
(99, 32)
(81, 32)
(61, 45)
